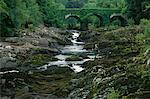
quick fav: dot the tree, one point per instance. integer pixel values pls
(64, 2)
(49, 9)
(111, 3)
(18, 13)
(137, 10)
(33, 14)
(5, 21)
(91, 4)
(3, 7)
(75, 3)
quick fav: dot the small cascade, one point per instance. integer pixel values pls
(67, 51)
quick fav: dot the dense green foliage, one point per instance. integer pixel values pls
(75, 3)
(146, 24)
(20, 14)
(62, 1)
(17, 14)
(138, 9)
(48, 9)
(105, 4)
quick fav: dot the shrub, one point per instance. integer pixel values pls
(48, 9)
(113, 94)
(146, 24)
(116, 23)
(131, 22)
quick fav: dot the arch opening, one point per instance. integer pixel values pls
(73, 21)
(95, 20)
(118, 19)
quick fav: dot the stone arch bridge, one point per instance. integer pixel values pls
(104, 15)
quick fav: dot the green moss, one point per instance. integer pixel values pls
(113, 94)
(110, 36)
(74, 58)
(41, 59)
(89, 46)
(36, 62)
(90, 64)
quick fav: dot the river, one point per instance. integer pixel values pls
(69, 50)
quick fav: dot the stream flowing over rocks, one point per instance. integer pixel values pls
(77, 48)
(51, 63)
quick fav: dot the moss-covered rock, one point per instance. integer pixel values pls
(89, 46)
(41, 59)
(83, 55)
(74, 58)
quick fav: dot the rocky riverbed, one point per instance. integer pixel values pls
(50, 63)
(21, 56)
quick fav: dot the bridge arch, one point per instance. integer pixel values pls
(121, 18)
(77, 17)
(100, 18)
(73, 16)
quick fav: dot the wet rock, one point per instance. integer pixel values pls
(39, 59)
(148, 62)
(25, 89)
(85, 36)
(12, 40)
(45, 50)
(5, 97)
(89, 46)
(62, 41)
(43, 42)
(7, 62)
(139, 95)
(74, 58)
(83, 55)
(58, 70)
(28, 97)
(79, 94)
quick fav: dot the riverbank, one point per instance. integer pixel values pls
(121, 68)
(21, 56)
(121, 71)
(30, 45)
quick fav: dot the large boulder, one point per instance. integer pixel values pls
(43, 42)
